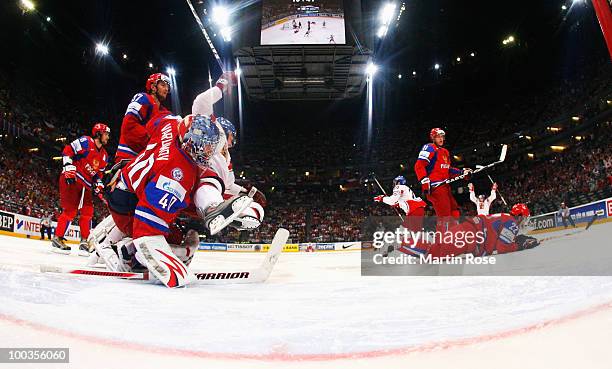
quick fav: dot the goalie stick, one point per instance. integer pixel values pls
(257, 275)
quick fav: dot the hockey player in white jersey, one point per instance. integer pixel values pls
(404, 198)
(483, 204)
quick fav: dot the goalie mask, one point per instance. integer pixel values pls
(201, 138)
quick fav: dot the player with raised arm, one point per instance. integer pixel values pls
(483, 204)
(144, 105)
(84, 162)
(404, 198)
(433, 168)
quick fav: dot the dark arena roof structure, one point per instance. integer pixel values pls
(305, 72)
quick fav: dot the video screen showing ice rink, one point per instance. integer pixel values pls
(302, 22)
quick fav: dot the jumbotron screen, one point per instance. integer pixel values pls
(302, 22)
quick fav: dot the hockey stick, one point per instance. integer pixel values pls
(500, 195)
(373, 176)
(257, 275)
(210, 44)
(479, 168)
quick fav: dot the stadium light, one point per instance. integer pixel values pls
(371, 69)
(563, 7)
(458, 59)
(437, 66)
(48, 19)
(387, 13)
(238, 71)
(472, 54)
(150, 65)
(399, 76)
(28, 5)
(171, 72)
(414, 72)
(221, 15)
(101, 48)
(124, 56)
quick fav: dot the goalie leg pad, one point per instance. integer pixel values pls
(157, 256)
(250, 218)
(223, 215)
(106, 252)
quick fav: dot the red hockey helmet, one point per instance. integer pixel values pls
(436, 132)
(99, 128)
(154, 78)
(520, 210)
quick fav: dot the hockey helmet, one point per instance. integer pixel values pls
(156, 77)
(436, 132)
(520, 209)
(99, 129)
(228, 127)
(399, 180)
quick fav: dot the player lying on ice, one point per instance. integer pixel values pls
(499, 234)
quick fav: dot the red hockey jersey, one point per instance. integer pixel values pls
(89, 161)
(434, 162)
(134, 136)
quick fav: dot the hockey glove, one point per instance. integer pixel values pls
(98, 190)
(525, 242)
(426, 186)
(379, 198)
(69, 174)
(259, 196)
(471, 187)
(467, 172)
(227, 79)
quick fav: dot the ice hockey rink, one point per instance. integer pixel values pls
(316, 310)
(276, 35)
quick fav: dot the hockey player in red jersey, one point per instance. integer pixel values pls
(84, 163)
(134, 136)
(493, 234)
(433, 168)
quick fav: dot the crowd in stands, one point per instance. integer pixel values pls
(330, 202)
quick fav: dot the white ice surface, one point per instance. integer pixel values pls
(276, 35)
(314, 303)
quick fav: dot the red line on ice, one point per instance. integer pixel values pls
(286, 356)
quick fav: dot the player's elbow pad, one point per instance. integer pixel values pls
(205, 197)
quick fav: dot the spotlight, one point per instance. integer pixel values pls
(150, 65)
(472, 54)
(371, 69)
(437, 66)
(563, 7)
(382, 31)
(124, 56)
(387, 13)
(171, 72)
(220, 15)
(458, 59)
(28, 5)
(399, 76)
(48, 19)
(238, 72)
(101, 48)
